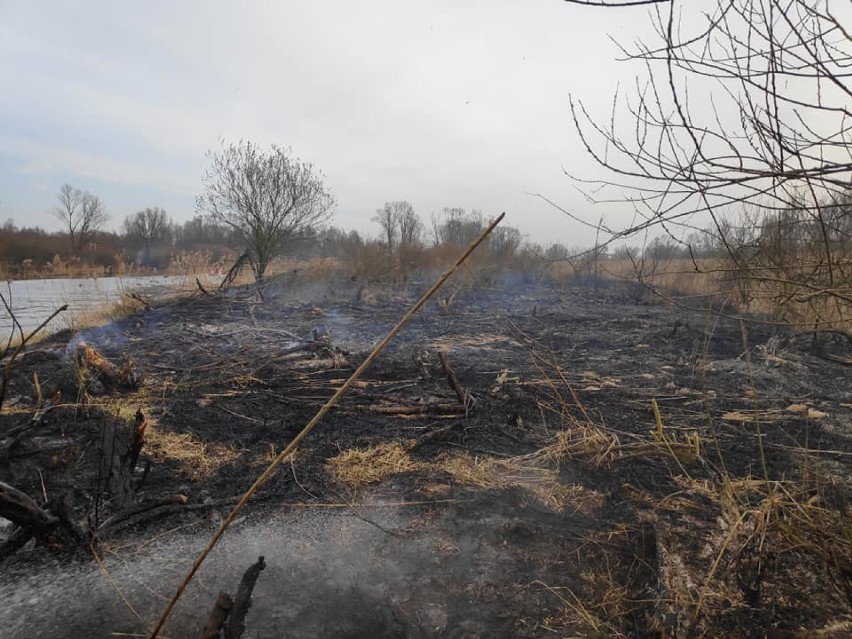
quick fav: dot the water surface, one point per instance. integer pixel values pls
(33, 301)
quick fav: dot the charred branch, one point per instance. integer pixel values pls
(144, 511)
(227, 619)
(419, 409)
(122, 378)
(54, 525)
(236, 624)
(232, 273)
(216, 618)
(22, 511)
(201, 288)
(465, 398)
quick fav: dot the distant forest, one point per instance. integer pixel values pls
(150, 242)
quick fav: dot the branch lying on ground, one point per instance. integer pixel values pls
(111, 376)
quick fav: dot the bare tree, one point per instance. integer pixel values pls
(148, 228)
(267, 196)
(386, 217)
(410, 226)
(82, 213)
(507, 242)
(401, 226)
(744, 106)
(456, 226)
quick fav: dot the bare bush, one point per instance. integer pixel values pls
(744, 108)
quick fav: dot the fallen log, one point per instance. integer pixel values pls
(111, 376)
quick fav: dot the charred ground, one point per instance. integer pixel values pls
(555, 502)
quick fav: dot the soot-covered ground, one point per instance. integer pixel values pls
(621, 468)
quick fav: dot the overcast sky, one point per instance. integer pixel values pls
(444, 103)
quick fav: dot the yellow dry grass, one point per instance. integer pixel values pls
(673, 275)
(198, 456)
(525, 472)
(358, 467)
(536, 474)
(584, 441)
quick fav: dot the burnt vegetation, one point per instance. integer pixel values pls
(532, 457)
(634, 440)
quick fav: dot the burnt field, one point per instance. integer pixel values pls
(601, 466)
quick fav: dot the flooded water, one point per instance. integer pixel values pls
(33, 301)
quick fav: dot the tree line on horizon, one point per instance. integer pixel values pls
(150, 241)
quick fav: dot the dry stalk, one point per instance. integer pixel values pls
(112, 583)
(270, 470)
(591, 621)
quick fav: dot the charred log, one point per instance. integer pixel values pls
(118, 464)
(113, 377)
(54, 525)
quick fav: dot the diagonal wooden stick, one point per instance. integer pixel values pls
(270, 470)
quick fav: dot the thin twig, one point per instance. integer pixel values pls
(115, 585)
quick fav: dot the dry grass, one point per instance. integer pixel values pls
(678, 275)
(537, 474)
(721, 538)
(198, 457)
(582, 439)
(358, 467)
(582, 618)
(523, 472)
(789, 294)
